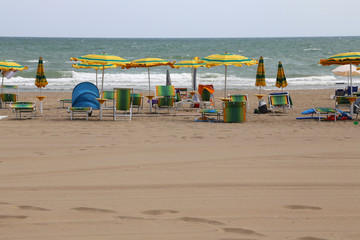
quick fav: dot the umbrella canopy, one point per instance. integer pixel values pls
(344, 70)
(260, 74)
(193, 64)
(10, 66)
(280, 78)
(102, 59)
(40, 80)
(93, 66)
(227, 59)
(148, 63)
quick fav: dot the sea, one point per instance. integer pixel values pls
(299, 56)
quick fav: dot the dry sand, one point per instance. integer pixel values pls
(168, 177)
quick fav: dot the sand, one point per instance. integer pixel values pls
(168, 177)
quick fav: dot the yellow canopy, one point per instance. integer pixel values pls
(342, 59)
(194, 63)
(11, 66)
(102, 59)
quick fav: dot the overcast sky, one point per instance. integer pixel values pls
(185, 18)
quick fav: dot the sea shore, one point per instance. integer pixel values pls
(169, 177)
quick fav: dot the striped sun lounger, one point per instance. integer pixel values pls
(21, 108)
(85, 111)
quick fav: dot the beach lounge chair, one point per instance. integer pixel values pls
(322, 113)
(206, 93)
(64, 101)
(165, 96)
(110, 95)
(21, 108)
(240, 98)
(123, 106)
(82, 111)
(137, 101)
(206, 113)
(279, 101)
(234, 112)
(8, 98)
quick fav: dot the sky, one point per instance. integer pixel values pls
(179, 19)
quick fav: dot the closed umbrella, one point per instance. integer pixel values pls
(280, 77)
(93, 66)
(40, 80)
(148, 63)
(193, 64)
(10, 66)
(260, 75)
(227, 59)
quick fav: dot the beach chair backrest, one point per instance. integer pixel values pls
(8, 97)
(279, 100)
(238, 98)
(234, 111)
(206, 95)
(342, 100)
(109, 95)
(166, 91)
(136, 99)
(123, 98)
(166, 101)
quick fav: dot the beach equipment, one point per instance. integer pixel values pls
(260, 74)
(137, 101)
(193, 64)
(325, 113)
(148, 63)
(344, 70)
(21, 108)
(84, 95)
(165, 96)
(279, 100)
(240, 98)
(40, 81)
(280, 77)
(206, 93)
(10, 66)
(234, 112)
(343, 59)
(96, 67)
(227, 59)
(123, 103)
(104, 60)
(168, 79)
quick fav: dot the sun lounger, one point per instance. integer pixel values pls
(21, 108)
(123, 103)
(166, 98)
(280, 101)
(83, 111)
(205, 113)
(322, 113)
(234, 112)
(64, 101)
(206, 93)
(7, 98)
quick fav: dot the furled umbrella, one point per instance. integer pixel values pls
(280, 77)
(193, 64)
(227, 59)
(148, 63)
(40, 81)
(343, 59)
(96, 67)
(102, 59)
(260, 75)
(10, 66)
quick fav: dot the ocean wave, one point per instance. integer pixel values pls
(312, 49)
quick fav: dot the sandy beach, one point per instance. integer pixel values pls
(168, 177)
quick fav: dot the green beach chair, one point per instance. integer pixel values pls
(7, 98)
(123, 103)
(206, 93)
(110, 95)
(166, 97)
(341, 101)
(137, 101)
(234, 112)
(240, 98)
(279, 101)
(21, 108)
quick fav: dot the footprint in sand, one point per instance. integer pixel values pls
(3, 203)
(201, 220)
(159, 212)
(241, 231)
(94, 210)
(12, 217)
(311, 238)
(24, 207)
(302, 207)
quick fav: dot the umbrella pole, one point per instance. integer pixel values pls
(96, 78)
(351, 92)
(149, 79)
(102, 82)
(2, 84)
(225, 81)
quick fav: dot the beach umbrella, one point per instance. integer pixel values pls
(40, 80)
(148, 63)
(168, 79)
(344, 70)
(227, 59)
(96, 67)
(193, 64)
(280, 77)
(102, 59)
(10, 66)
(260, 74)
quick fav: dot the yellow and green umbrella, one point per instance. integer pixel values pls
(280, 77)
(148, 63)
(228, 59)
(40, 80)
(93, 66)
(193, 64)
(102, 59)
(260, 74)
(10, 66)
